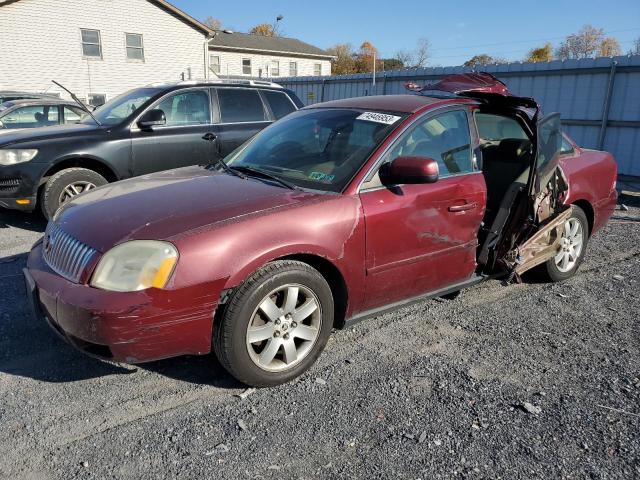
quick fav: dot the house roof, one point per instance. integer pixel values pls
(166, 6)
(261, 43)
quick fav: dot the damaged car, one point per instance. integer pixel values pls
(341, 211)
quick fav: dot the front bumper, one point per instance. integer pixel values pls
(19, 185)
(132, 327)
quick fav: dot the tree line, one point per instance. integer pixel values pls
(589, 42)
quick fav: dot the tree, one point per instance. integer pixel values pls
(264, 29)
(479, 60)
(213, 23)
(391, 64)
(610, 47)
(541, 54)
(344, 62)
(404, 57)
(584, 44)
(635, 49)
(365, 57)
(416, 58)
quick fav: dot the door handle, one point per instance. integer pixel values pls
(209, 137)
(463, 208)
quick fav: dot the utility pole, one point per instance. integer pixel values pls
(373, 85)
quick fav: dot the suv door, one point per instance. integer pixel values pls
(185, 139)
(423, 237)
(240, 114)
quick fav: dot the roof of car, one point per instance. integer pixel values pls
(39, 101)
(388, 103)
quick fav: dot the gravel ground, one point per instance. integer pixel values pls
(526, 381)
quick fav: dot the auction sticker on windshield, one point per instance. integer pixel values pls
(379, 118)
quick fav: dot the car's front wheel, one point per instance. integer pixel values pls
(573, 246)
(65, 185)
(275, 325)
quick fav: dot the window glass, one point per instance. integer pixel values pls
(187, 108)
(31, 116)
(317, 69)
(566, 146)
(496, 127)
(73, 114)
(135, 48)
(445, 138)
(275, 68)
(321, 149)
(214, 63)
(91, 44)
(293, 69)
(240, 105)
(246, 66)
(279, 102)
(119, 108)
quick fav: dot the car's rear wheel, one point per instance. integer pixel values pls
(275, 325)
(65, 185)
(573, 245)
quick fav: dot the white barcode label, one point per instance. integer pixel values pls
(379, 118)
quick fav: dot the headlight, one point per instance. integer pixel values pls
(135, 265)
(11, 157)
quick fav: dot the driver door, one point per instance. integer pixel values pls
(423, 237)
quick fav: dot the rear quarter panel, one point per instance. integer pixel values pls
(592, 175)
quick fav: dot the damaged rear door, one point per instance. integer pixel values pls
(547, 189)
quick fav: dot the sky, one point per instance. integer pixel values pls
(456, 30)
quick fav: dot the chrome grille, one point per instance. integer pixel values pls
(64, 254)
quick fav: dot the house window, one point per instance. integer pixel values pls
(317, 69)
(293, 69)
(214, 63)
(275, 68)
(97, 99)
(91, 43)
(135, 48)
(246, 66)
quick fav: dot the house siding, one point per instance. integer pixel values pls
(231, 64)
(41, 41)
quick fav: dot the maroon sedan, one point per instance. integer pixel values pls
(337, 212)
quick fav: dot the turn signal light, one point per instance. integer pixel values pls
(23, 201)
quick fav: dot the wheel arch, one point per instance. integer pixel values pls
(88, 162)
(588, 210)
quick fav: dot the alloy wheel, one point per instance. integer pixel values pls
(284, 327)
(74, 189)
(570, 245)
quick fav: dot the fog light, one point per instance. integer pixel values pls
(23, 201)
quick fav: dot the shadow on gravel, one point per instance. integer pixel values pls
(199, 370)
(34, 222)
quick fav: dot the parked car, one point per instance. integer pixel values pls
(338, 212)
(10, 95)
(38, 112)
(145, 130)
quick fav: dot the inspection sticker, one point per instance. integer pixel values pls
(379, 118)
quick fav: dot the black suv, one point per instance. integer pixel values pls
(145, 130)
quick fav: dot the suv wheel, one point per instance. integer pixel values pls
(573, 248)
(65, 185)
(275, 325)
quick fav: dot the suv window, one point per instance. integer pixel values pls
(240, 105)
(566, 148)
(279, 102)
(72, 114)
(445, 138)
(186, 108)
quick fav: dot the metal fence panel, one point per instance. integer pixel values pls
(599, 99)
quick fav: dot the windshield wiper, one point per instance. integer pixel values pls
(221, 163)
(77, 100)
(262, 173)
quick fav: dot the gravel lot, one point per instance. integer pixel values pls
(526, 381)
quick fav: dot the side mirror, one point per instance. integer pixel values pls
(410, 170)
(153, 118)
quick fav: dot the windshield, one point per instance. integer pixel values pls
(115, 111)
(318, 149)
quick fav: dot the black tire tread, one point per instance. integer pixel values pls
(52, 181)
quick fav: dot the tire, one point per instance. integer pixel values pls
(553, 269)
(246, 314)
(53, 193)
(452, 295)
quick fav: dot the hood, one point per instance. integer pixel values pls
(167, 204)
(10, 136)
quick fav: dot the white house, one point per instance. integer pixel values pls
(98, 48)
(239, 54)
